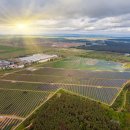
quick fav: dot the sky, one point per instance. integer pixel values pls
(65, 16)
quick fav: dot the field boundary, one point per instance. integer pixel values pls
(74, 93)
(86, 97)
(18, 81)
(121, 89)
(23, 90)
(12, 117)
(66, 75)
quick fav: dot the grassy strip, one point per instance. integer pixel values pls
(119, 101)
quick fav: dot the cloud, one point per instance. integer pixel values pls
(65, 15)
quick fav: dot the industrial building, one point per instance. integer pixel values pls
(37, 58)
(4, 64)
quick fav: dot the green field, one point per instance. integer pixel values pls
(10, 52)
(5, 49)
(86, 64)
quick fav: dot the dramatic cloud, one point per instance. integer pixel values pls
(67, 15)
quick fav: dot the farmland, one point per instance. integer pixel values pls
(11, 47)
(9, 51)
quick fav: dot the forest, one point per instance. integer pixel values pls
(66, 111)
(109, 45)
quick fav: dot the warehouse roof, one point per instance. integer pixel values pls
(37, 57)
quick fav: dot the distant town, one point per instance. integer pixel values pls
(21, 62)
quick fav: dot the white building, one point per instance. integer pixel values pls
(37, 58)
(4, 64)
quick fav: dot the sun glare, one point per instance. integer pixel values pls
(21, 26)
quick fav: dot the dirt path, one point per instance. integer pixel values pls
(70, 76)
(124, 102)
(6, 89)
(16, 81)
(50, 96)
(11, 117)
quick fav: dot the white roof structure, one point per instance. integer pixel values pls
(36, 58)
(4, 63)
